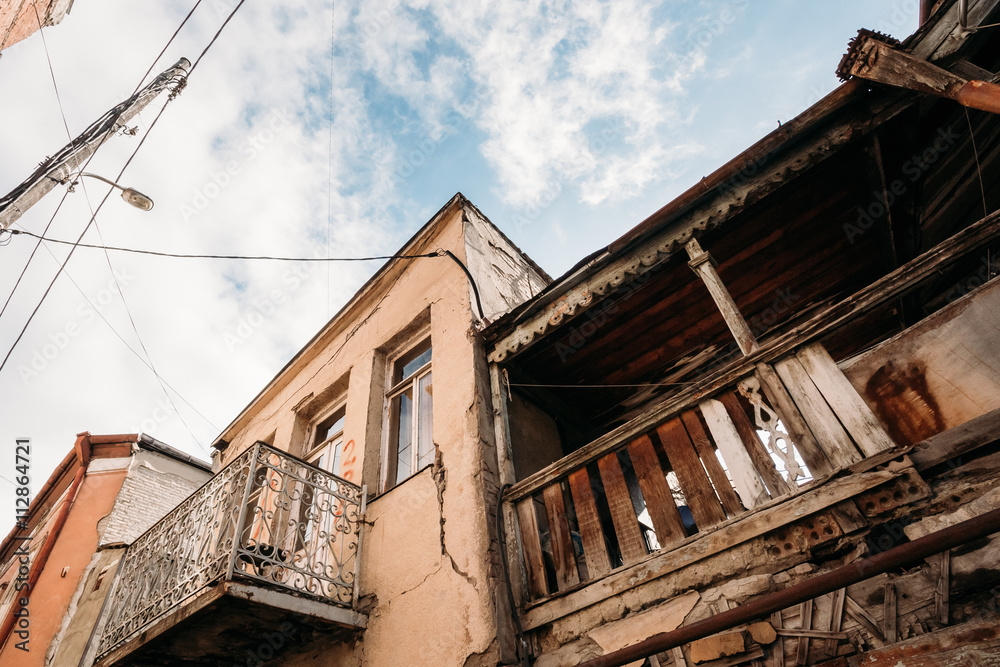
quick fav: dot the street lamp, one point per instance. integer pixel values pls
(132, 196)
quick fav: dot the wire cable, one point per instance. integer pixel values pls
(157, 253)
(52, 73)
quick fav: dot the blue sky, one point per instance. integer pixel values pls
(566, 123)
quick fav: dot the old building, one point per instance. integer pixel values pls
(19, 19)
(63, 558)
(759, 428)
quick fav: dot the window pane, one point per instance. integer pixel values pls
(404, 435)
(330, 426)
(425, 422)
(415, 364)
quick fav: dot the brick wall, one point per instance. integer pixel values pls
(154, 486)
(18, 19)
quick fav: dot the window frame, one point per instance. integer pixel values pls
(416, 346)
(334, 442)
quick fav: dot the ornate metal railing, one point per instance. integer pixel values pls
(267, 516)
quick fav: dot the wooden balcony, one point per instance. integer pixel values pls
(775, 453)
(258, 561)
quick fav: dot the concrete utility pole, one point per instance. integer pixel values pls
(71, 158)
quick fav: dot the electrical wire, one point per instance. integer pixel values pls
(975, 152)
(157, 253)
(52, 73)
(117, 111)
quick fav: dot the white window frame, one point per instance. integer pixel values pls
(390, 448)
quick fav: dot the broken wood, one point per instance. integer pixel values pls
(687, 466)
(706, 452)
(660, 503)
(563, 558)
(889, 614)
(595, 551)
(532, 545)
(630, 540)
(863, 618)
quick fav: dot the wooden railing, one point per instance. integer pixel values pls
(757, 439)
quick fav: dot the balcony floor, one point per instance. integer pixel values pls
(231, 622)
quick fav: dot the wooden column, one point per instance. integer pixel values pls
(702, 264)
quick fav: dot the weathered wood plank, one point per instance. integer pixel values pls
(889, 614)
(836, 443)
(836, 618)
(659, 501)
(887, 288)
(859, 420)
(727, 439)
(630, 540)
(703, 445)
(694, 482)
(957, 441)
(701, 263)
(805, 442)
(973, 643)
(762, 460)
(532, 544)
(594, 549)
(812, 634)
(942, 595)
(562, 544)
(806, 619)
(698, 547)
(778, 647)
(863, 618)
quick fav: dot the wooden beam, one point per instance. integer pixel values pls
(836, 619)
(889, 613)
(706, 451)
(630, 540)
(660, 503)
(727, 438)
(812, 634)
(531, 543)
(859, 420)
(806, 620)
(594, 549)
(701, 263)
(865, 620)
(563, 557)
(694, 482)
(957, 441)
(778, 647)
(942, 593)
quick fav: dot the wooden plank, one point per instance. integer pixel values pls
(942, 594)
(812, 634)
(887, 288)
(778, 647)
(795, 423)
(699, 547)
(806, 620)
(706, 451)
(762, 460)
(678, 654)
(957, 441)
(659, 501)
(865, 620)
(836, 443)
(532, 545)
(727, 439)
(630, 541)
(562, 544)
(694, 482)
(595, 551)
(836, 618)
(859, 420)
(889, 614)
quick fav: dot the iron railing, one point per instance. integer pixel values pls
(267, 516)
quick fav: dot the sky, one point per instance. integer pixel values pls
(310, 129)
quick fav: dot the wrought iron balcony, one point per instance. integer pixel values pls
(268, 520)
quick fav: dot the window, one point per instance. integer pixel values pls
(411, 442)
(328, 443)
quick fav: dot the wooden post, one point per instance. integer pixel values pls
(701, 263)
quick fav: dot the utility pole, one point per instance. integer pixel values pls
(71, 158)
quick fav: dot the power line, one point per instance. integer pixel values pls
(157, 253)
(52, 72)
(118, 178)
